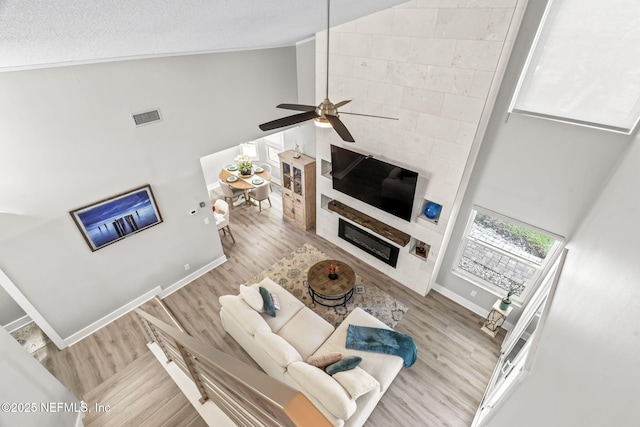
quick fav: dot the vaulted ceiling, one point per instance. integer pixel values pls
(41, 33)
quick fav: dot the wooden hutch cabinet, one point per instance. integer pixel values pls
(298, 189)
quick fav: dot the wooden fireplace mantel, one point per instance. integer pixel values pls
(371, 223)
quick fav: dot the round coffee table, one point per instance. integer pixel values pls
(327, 292)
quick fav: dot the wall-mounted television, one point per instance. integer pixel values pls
(380, 184)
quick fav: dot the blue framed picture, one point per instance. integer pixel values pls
(110, 220)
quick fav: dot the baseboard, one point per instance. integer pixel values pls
(18, 323)
(480, 311)
(88, 330)
(157, 291)
(193, 276)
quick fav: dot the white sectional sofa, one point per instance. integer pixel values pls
(281, 345)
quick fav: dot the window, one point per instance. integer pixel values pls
(249, 149)
(272, 154)
(274, 145)
(503, 255)
(582, 68)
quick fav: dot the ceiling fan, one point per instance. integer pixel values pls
(324, 115)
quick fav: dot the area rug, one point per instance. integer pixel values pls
(291, 273)
(31, 337)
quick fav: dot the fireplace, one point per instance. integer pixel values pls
(386, 252)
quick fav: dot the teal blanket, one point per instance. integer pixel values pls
(386, 341)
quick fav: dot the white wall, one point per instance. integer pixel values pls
(586, 370)
(10, 311)
(306, 60)
(432, 65)
(541, 172)
(26, 381)
(68, 140)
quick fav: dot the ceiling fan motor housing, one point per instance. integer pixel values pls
(326, 108)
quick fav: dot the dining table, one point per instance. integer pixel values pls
(234, 179)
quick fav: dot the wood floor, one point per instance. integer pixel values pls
(443, 388)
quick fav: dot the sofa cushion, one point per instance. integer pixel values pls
(344, 364)
(289, 305)
(324, 388)
(268, 302)
(252, 297)
(382, 367)
(247, 317)
(323, 360)
(306, 331)
(356, 381)
(277, 348)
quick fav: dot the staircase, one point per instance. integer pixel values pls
(142, 394)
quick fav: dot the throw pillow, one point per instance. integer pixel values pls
(357, 382)
(323, 360)
(345, 364)
(268, 302)
(276, 301)
(252, 297)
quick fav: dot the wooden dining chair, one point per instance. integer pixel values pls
(260, 193)
(230, 193)
(222, 208)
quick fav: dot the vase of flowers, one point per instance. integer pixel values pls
(244, 164)
(333, 272)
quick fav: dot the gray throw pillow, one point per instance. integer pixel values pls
(268, 302)
(345, 364)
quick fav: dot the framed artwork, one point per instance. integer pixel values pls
(107, 221)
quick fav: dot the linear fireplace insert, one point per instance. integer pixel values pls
(369, 243)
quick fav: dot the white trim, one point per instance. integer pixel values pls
(31, 311)
(480, 311)
(28, 67)
(209, 412)
(157, 291)
(114, 315)
(61, 343)
(18, 323)
(191, 277)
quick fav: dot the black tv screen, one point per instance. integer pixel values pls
(383, 185)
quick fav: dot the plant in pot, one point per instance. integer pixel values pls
(506, 301)
(244, 164)
(333, 271)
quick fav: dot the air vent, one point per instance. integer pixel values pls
(148, 117)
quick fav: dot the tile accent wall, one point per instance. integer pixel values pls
(431, 64)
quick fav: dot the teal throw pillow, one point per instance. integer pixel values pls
(344, 364)
(268, 302)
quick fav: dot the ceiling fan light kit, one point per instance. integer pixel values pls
(324, 115)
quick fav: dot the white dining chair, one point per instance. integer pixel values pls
(231, 194)
(222, 218)
(267, 167)
(260, 194)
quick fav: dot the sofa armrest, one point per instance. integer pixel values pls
(318, 385)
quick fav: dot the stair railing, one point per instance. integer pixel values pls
(248, 396)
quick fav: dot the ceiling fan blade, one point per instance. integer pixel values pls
(290, 120)
(341, 103)
(369, 115)
(339, 127)
(298, 107)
